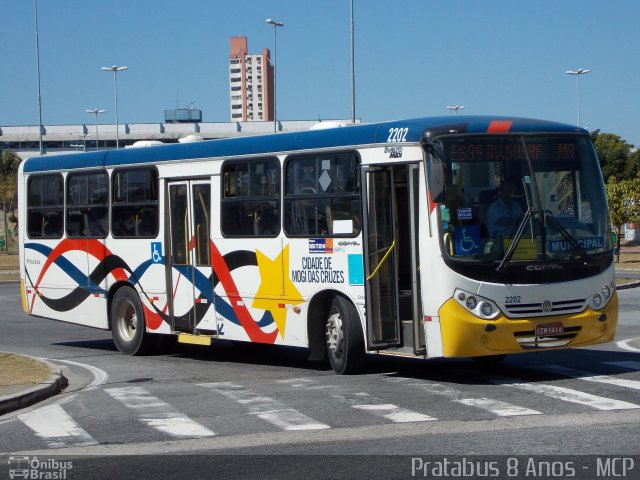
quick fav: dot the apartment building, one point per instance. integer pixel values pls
(250, 83)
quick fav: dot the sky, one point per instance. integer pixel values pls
(413, 58)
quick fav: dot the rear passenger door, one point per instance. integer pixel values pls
(190, 273)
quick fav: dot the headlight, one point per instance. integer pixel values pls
(486, 309)
(481, 307)
(600, 299)
(471, 303)
(596, 301)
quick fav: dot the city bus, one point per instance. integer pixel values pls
(436, 237)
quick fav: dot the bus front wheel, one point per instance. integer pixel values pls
(345, 342)
(127, 323)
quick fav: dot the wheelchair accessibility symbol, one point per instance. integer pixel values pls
(467, 240)
(156, 252)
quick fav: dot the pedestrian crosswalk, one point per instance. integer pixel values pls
(56, 427)
(321, 402)
(158, 414)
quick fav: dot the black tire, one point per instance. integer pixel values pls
(489, 361)
(344, 339)
(128, 328)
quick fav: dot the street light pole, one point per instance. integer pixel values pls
(35, 8)
(353, 70)
(577, 73)
(455, 108)
(115, 69)
(275, 24)
(96, 112)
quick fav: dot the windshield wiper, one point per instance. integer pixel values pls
(570, 238)
(516, 239)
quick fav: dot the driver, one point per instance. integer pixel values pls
(503, 213)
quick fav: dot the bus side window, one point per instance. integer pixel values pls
(45, 206)
(87, 204)
(135, 207)
(250, 204)
(322, 196)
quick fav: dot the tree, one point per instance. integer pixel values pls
(9, 163)
(613, 153)
(633, 164)
(624, 204)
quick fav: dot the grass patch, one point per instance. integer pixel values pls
(19, 370)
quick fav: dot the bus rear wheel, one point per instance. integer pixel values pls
(128, 328)
(345, 342)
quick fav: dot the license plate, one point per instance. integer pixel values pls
(546, 329)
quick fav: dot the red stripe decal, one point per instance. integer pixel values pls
(152, 319)
(500, 126)
(247, 322)
(92, 247)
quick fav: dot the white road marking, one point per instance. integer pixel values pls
(497, 407)
(393, 412)
(266, 408)
(630, 365)
(564, 394)
(589, 376)
(624, 344)
(56, 427)
(158, 414)
(373, 405)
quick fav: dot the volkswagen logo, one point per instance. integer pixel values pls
(547, 306)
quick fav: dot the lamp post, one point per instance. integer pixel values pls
(455, 108)
(275, 24)
(577, 73)
(96, 112)
(353, 70)
(115, 69)
(35, 8)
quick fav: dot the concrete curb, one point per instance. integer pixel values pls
(626, 286)
(45, 389)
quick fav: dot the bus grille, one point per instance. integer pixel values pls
(528, 340)
(537, 309)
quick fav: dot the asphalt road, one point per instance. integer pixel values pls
(264, 412)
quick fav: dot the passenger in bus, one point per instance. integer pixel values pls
(266, 220)
(503, 213)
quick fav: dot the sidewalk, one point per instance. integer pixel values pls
(26, 380)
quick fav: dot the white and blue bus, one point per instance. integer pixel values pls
(432, 237)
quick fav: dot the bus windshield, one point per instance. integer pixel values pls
(532, 199)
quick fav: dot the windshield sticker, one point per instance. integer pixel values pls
(444, 214)
(527, 180)
(356, 270)
(590, 243)
(467, 240)
(464, 214)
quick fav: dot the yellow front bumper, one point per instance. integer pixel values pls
(465, 335)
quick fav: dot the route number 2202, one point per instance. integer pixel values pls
(397, 135)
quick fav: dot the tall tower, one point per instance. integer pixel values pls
(250, 83)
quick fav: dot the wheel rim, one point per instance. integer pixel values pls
(127, 321)
(334, 334)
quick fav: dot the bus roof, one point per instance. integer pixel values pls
(354, 135)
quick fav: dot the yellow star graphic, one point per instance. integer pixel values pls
(273, 284)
